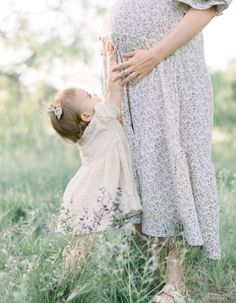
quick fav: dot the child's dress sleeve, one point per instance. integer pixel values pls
(205, 4)
(107, 112)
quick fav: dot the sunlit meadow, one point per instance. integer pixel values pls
(36, 165)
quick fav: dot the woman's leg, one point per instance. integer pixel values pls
(175, 254)
(175, 266)
(140, 236)
(76, 253)
(138, 229)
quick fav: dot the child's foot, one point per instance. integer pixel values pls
(76, 253)
(71, 258)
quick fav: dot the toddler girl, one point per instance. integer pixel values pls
(102, 194)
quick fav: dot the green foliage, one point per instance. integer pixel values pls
(225, 97)
(117, 270)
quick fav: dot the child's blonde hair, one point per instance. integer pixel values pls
(69, 125)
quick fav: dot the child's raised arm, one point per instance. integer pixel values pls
(114, 90)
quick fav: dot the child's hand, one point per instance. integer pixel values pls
(110, 51)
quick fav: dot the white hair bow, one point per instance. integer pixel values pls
(56, 110)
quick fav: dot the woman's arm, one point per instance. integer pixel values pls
(192, 23)
(141, 62)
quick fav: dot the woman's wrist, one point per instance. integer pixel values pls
(156, 54)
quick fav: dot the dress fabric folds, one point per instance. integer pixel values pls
(168, 118)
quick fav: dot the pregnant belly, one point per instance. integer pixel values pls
(143, 19)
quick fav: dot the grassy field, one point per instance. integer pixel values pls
(35, 167)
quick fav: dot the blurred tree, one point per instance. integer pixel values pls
(233, 88)
(40, 44)
(38, 51)
(224, 82)
(44, 45)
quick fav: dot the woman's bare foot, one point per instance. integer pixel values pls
(167, 298)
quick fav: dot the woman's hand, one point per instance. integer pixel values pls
(140, 63)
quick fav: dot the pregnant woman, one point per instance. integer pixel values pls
(168, 116)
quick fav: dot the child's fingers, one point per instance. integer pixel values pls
(107, 46)
(110, 46)
(115, 49)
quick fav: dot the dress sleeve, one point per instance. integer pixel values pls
(205, 4)
(106, 111)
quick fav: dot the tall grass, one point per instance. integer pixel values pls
(35, 167)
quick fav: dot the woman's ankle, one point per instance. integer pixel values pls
(176, 269)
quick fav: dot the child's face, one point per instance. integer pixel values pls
(86, 103)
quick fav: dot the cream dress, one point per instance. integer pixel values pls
(102, 194)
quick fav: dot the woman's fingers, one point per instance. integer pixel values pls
(137, 79)
(121, 66)
(129, 54)
(122, 74)
(128, 79)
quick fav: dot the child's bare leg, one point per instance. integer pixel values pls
(76, 253)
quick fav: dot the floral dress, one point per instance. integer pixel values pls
(168, 118)
(102, 194)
